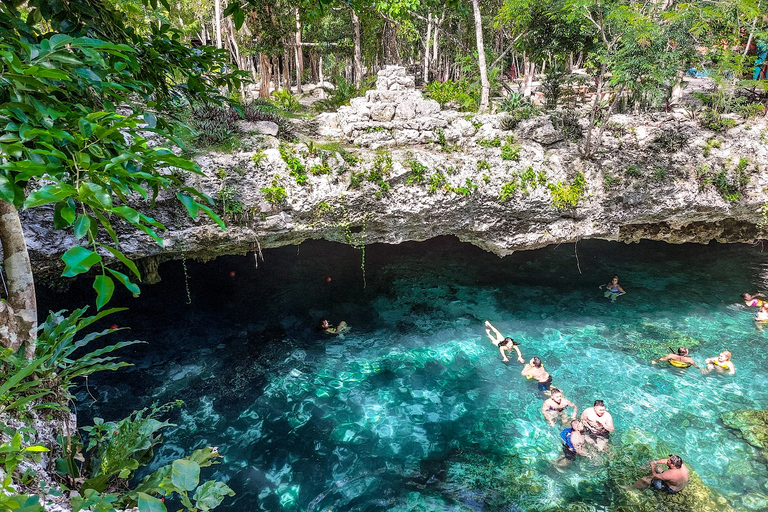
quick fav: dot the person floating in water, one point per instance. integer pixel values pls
(598, 425)
(679, 360)
(535, 370)
(762, 314)
(672, 481)
(612, 289)
(555, 407)
(505, 344)
(721, 363)
(326, 327)
(573, 443)
(756, 300)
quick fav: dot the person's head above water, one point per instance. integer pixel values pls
(615, 279)
(675, 461)
(509, 342)
(577, 426)
(324, 324)
(682, 351)
(725, 355)
(599, 407)
(536, 362)
(555, 393)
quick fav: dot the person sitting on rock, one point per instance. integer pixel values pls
(671, 481)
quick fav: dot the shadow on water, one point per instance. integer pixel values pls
(412, 409)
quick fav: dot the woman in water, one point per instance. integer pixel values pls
(535, 370)
(505, 344)
(762, 314)
(328, 329)
(755, 300)
(612, 289)
(720, 363)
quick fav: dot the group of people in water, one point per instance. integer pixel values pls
(591, 431)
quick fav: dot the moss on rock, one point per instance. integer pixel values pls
(753, 426)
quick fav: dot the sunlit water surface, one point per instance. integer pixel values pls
(413, 407)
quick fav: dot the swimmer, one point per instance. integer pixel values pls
(535, 370)
(671, 481)
(505, 344)
(762, 314)
(573, 444)
(555, 407)
(755, 300)
(612, 289)
(328, 329)
(598, 425)
(720, 363)
(679, 360)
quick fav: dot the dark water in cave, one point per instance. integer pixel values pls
(413, 408)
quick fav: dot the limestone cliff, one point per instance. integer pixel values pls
(402, 169)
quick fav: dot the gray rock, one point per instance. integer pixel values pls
(541, 130)
(265, 127)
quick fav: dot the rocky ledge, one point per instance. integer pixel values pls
(397, 169)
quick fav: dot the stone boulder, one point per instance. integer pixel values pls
(752, 425)
(261, 127)
(540, 129)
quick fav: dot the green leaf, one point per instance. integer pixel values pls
(132, 287)
(86, 129)
(211, 494)
(60, 40)
(185, 474)
(82, 225)
(36, 449)
(123, 259)
(49, 194)
(6, 189)
(189, 203)
(78, 260)
(150, 119)
(149, 504)
(127, 213)
(63, 215)
(105, 287)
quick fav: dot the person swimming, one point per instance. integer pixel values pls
(326, 327)
(613, 289)
(721, 363)
(535, 370)
(762, 314)
(755, 300)
(505, 344)
(554, 407)
(679, 360)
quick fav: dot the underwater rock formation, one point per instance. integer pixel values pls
(752, 425)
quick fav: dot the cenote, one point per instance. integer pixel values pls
(413, 408)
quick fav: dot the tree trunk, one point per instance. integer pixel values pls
(587, 150)
(426, 48)
(217, 22)
(322, 83)
(485, 90)
(299, 52)
(358, 58)
(18, 314)
(265, 75)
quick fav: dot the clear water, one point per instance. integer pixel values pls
(413, 409)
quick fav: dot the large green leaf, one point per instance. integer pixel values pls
(105, 287)
(132, 287)
(149, 504)
(82, 226)
(211, 494)
(79, 260)
(185, 474)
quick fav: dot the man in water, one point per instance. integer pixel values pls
(598, 425)
(672, 480)
(555, 407)
(573, 444)
(679, 360)
(535, 370)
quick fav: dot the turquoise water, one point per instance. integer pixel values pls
(413, 408)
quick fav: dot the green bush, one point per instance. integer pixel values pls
(295, 167)
(275, 194)
(634, 171)
(716, 122)
(436, 182)
(564, 195)
(453, 92)
(418, 172)
(669, 140)
(567, 122)
(341, 94)
(510, 151)
(286, 101)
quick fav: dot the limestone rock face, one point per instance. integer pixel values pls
(540, 130)
(752, 425)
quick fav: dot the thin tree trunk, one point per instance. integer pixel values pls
(299, 52)
(587, 150)
(18, 315)
(426, 48)
(217, 22)
(358, 57)
(322, 83)
(485, 90)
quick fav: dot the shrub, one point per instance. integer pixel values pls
(716, 122)
(286, 101)
(669, 140)
(564, 195)
(418, 172)
(382, 168)
(510, 151)
(275, 194)
(489, 143)
(436, 182)
(634, 171)
(341, 94)
(258, 157)
(321, 168)
(450, 91)
(567, 122)
(262, 110)
(295, 167)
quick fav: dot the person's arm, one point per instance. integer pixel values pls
(526, 370)
(575, 409)
(621, 290)
(731, 368)
(544, 407)
(503, 354)
(608, 422)
(519, 355)
(578, 446)
(662, 359)
(692, 362)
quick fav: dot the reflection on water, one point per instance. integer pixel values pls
(413, 409)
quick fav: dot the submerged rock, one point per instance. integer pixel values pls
(753, 426)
